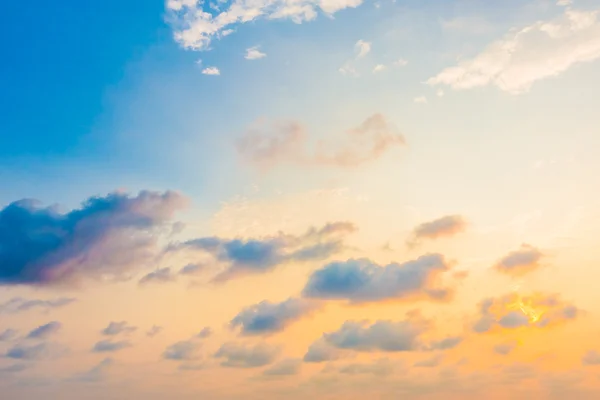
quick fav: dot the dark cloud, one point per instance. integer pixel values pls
(102, 240)
(97, 373)
(36, 352)
(44, 331)
(361, 280)
(19, 304)
(237, 355)
(505, 348)
(520, 262)
(262, 255)
(442, 227)
(266, 317)
(184, 350)
(155, 330)
(320, 351)
(161, 275)
(514, 319)
(116, 328)
(287, 143)
(205, 332)
(7, 334)
(284, 368)
(592, 357)
(109, 346)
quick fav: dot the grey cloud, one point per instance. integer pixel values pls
(265, 254)
(446, 344)
(103, 239)
(42, 332)
(186, 366)
(237, 355)
(266, 317)
(8, 334)
(592, 357)
(36, 352)
(514, 319)
(97, 373)
(108, 346)
(381, 367)
(116, 328)
(361, 280)
(284, 368)
(429, 362)
(505, 348)
(13, 369)
(161, 275)
(320, 351)
(155, 330)
(441, 227)
(205, 333)
(192, 269)
(184, 350)
(19, 304)
(520, 262)
(286, 143)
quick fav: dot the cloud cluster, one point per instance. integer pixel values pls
(103, 239)
(524, 56)
(361, 281)
(196, 26)
(266, 317)
(254, 256)
(287, 143)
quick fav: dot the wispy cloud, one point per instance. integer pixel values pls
(19, 304)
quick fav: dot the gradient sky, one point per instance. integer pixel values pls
(333, 199)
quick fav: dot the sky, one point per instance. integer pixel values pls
(334, 199)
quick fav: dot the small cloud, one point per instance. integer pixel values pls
(266, 317)
(185, 350)
(211, 71)
(44, 331)
(116, 328)
(162, 275)
(236, 355)
(320, 351)
(362, 48)
(13, 369)
(284, 368)
(439, 93)
(447, 226)
(192, 269)
(381, 367)
(8, 334)
(505, 348)
(592, 357)
(379, 68)
(106, 346)
(187, 366)
(520, 262)
(430, 362)
(19, 304)
(96, 373)
(253, 53)
(564, 3)
(36, 352)
(155, 330)
(205, 333)
(400, 63)
(446, 344)
(420, 100)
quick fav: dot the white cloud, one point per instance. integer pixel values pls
(564, 3)
(195, 28)
(536, 52)
(253, 53)
(211, 71)
(420, 100)
(440, 93)
(379, 68)
(400, 63)
(362, 48)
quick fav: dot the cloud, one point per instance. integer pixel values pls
(192, 269)
(44, 331)
(420, 100)
(195, 27)
(447, 226)
(381, 367)
(262, 255)
(266, 317)
(116, 328)
(13, 369)
(361, 281)
(520, 262)
(280, 143)
(7, 334)
(155, 330)
(379, 68)
(237, 355)
(285, 367)
(592, 357)
(400, 63)
(211, 71)
(505, 348)
(362, 48)
(205, 333)
(446, 344)
(96, 373)
(514, 311)
(253, 53)
(19, 304)
(429, 362)
(320, 351)
(39, 351)
(185, 350)
(102, 240)
(106, 346)
(524, 56)
(161, 275)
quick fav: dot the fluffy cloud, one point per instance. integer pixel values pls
(116, 328)
(19, 304)
(520, 262)
(205, 333)
(266, 317)
(237, 355)
(161, 275)
(211, 71)
(442, 227)
(265, 254)
(362, 48)
(103, 239)
(44, 331)
(285, 367)
(106, 346)
(524, 56)
(184, 350)
(516, 311)
(253, 53)
(196, 26)
(320, 351)
(287, 143)
(362, 280)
